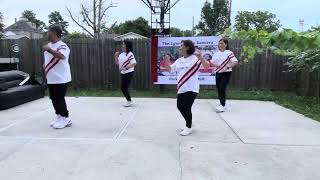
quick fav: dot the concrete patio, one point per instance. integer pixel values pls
(252, 141)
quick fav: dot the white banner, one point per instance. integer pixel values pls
(170, 46)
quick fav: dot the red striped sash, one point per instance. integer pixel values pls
(61, 47)
(53, 62)
(127, 62)
(225, 62)
(189, 74)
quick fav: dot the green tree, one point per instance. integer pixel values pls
(110, 30)
(315, 28)
(31, 16)
(75, 35)
(176, 32)
(139, 26)
(56, 18)
(214, 18)
(259, 20)
(187, 33)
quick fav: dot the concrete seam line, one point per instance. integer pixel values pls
(123, 129)
(284, 145)
(180, 163)
(65, 139)
(234, 131)
(19, 149)
(24, 120)
(27, 119)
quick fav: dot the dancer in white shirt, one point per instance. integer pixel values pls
(224, 60)
(57, 71)
(187, 68)
(126, 62)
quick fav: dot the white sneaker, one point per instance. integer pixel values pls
(62, 123)
(186, 132)
(128, 104)
(55, 120)
(220, 109)
(193, 127)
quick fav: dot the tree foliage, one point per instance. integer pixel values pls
(75, 35)
(176, 32)
(139, 26)
(214, 18)
(259, 20)
(302, 48)
(56, 18)
(31, 17)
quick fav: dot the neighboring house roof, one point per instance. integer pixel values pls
(129, 35)
(9, 33)
(23, 25)
(14, 37)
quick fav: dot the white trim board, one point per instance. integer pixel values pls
(9, 60)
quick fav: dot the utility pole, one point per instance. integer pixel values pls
(301, 23)
(193, 26)
(230, 11)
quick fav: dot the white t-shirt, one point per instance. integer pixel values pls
(126, 59)
(187, 71)
(223, 59)
(57, 70)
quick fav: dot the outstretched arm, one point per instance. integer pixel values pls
(116, 57)
(233, 64)
(204, 62)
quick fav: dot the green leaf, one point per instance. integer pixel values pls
(317, 41)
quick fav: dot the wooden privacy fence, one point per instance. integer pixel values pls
(92, 61)
(93, 66)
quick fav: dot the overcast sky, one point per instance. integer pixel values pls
(288, 11)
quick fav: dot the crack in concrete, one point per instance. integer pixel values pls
(230, 127)
(23, 121)
(18, 149)
(124, 128)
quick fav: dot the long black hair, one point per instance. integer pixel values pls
(226, 41)
(129, 46)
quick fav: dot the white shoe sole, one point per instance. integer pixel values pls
(193, 127)
(53, 122)
(218, 111)
(185, 134)
(68, 125)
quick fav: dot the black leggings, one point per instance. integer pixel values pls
(184, 104)
(125, 83)
(57, 92)
(222, 80)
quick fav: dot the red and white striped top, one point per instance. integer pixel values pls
(223, 59)
(57, 70)
(126, 59)
(187, 73)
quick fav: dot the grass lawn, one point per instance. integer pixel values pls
(308, 106)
